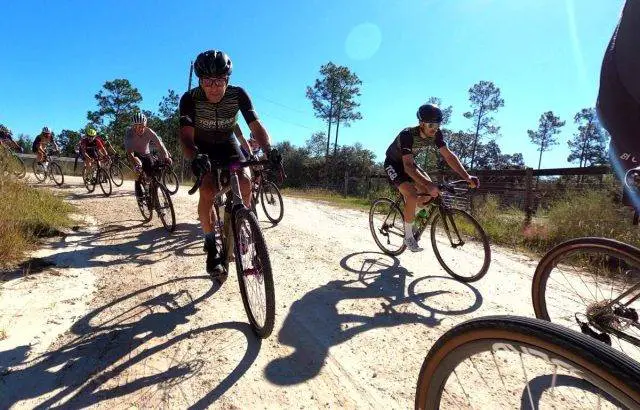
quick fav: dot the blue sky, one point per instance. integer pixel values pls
(542, 54)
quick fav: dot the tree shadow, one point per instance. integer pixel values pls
(314, 323)
(135, 340)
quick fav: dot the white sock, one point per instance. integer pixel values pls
(408, 228)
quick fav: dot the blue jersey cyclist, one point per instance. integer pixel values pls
(404, 173)
(208, 118)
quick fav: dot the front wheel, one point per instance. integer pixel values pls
(104, 181)
(19, 169)
(387, 226)
(56, 173)
(509, 362)
(170, 180)
(144, 201)
(271, 202)
(460, 245)
(39, 171)
(164, 208)
(115, 172)
(89, 179)
(254, 272)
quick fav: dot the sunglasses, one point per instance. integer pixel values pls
(217, 81)
(433, 125)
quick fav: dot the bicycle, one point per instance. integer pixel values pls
(12, 164)
(266, 192)
(48, 168)
(97, 174)
(240, 237)
(455, 235)
(592, 285)
(168, 177)
(518, 362)
(146, 191)
(115, 170)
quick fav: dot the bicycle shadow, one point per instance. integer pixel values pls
(134, 345)
(314, 323)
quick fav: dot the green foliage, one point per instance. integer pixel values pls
(549, 125)
(588, 145)
(485, 98)
(68, 140)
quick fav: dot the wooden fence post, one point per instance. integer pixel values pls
(528, 195)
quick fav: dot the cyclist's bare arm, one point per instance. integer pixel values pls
(453, 161)
(422, 180)
(157, 141)
(133, 160)
(243, 141)
(261, 135)
(187, 141)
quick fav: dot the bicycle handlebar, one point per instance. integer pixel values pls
(231, 167)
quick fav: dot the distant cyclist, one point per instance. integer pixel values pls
(6, 139)
(404, 173)
(91, 147)
(41, 142)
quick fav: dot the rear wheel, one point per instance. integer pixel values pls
(104, 181)
(18, 168)
(254, 272)
(56, 173)
(519, 362)
(170, 180)
(387, 226)
(460, 245)
(115, 172)
(39, 171)
(271, 201)
(164, 208)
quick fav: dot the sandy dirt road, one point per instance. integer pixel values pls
(120, 315)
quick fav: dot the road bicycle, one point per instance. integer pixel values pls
(96, 174)
(48, 168)
(151, 194)
(266, 192)
(11, 163)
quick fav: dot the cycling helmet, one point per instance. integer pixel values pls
(212, 63)
(139, 118)
(429, 113)
(91, 132)
(46, 130)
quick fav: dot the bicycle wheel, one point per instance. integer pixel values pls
(143, 200)
(254, 272)
(164, 208)
(39, 171)
(387, 226)
(517, 362)
(592, 285)
(89, 179)
(460, 245)
(271, 202)
(170, 180)
(104, 181)
(18, 167)
(115, 173)
(56, 173)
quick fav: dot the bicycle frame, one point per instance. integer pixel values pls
(609, 308)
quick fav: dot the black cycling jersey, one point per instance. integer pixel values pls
(409, 141)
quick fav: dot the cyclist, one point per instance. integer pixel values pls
(619, 99)
(91, 147)
(137, 139)
(208, 118)
(40, 144)
(6, 139)
(404, 173)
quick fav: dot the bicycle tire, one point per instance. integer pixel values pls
(241, 215)
(170, 180)
(392, 207)
(39, 171)
(143, 202)
(616, 250)
(55, 171)
(486, 249)
(21, 168)
(170, 225)
(89, 180)
(116, 175)
(105, 182)
(268, 188)
(613, 374)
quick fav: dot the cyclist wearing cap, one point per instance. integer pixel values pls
(137, 139)
(91, 147)
(404, 173)
(208, 118)
(619, 99)
(40, 144)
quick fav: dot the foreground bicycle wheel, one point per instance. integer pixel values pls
(387, 226)
(143, 200)
(170, 180)
(39, 171)
(592, 285)
(460, 245)
(56, 173)
(115, 172)
(164, 208)
(254, 272)
(271, 201)
(516, 362)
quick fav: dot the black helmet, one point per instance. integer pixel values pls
(429, 113)
(212, 63)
